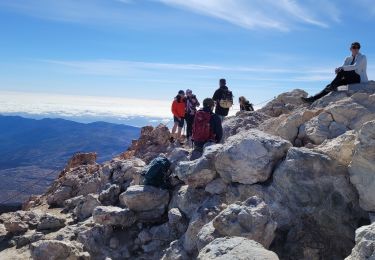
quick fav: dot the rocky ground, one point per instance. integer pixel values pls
(290, 181)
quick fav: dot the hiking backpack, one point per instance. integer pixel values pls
(156, 172)
(201, 127)
(226, 100)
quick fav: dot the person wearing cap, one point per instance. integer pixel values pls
(191, 108)
(178, 111)
(352, 71)
(207, 128)
(222, 93)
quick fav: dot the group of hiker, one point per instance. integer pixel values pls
(203, 125)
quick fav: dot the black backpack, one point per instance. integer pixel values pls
(155, 174)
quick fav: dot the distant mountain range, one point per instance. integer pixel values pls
(31, 148)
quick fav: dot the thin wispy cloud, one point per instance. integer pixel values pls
(280, 15)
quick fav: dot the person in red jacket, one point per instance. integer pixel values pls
(178, 111)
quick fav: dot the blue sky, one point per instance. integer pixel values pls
(149, 49)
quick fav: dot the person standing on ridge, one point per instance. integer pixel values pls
(206, 128)
(178, 111)
(223, 99)
(191, 108)
(352, 71)
(245, 105)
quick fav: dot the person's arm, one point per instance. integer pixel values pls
(216, 95)
(357, 64)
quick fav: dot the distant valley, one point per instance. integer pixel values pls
(33, 151)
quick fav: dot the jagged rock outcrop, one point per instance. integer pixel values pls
(235, 248)
(55, 250)
(151, 143)
(115, 216)
(292, 176)
(362, 167)
(365, 244)
(250, 156)
(147, 201)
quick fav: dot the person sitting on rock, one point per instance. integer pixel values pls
(206, 128)
(191, 108)
(178, 111)
(245, 105)
(353, 71)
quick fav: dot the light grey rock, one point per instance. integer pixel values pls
(284, 103)
(3, 232)
(175, 216)
(365, 244)
(60, 195)
(249, 157)
(86, 206)
(340, 148)
(251, 219)
(115, 216)
(217, 186)
(144, 198)
(175, 252)
(187, 200)
(362, 167)
(51, 222)
(236, 248)
(56, 250)
(110, 195)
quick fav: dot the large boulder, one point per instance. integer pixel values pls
(120, 171)
(250, 156)
(340, 148)
(200, 172)
(57, 250)
(235, 248)
(115, 216)
(187, 199)
(251, 219)
(362, 167)
(284, 103)
(3, 232)
(110, 195)
(85, 206)
(19, 221)
(80, 159)
(51, 222)
(365, 244)
(322, 201)
(147, 201)
(242, 121)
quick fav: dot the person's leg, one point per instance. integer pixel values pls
(189, 125)
(197, 152)
(337, 81)
(351, 77)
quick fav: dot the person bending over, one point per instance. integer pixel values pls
(206, 129)
(352, 71)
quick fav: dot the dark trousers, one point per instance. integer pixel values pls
(342, 78)
(189, 125)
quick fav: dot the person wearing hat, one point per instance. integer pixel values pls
(223, 99)
(178, 111)
(352, 71)
(191, 108)
(207, 128)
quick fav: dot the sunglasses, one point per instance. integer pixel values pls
(354, 48)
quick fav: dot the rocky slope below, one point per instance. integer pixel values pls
(290, 181)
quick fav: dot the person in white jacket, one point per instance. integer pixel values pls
(352, 71)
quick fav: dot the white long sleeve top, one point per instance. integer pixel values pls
(360, 66)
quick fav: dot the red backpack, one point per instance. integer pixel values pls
(201, 127)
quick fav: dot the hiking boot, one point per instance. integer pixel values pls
(307, 100)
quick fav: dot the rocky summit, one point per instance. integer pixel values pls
(290, 181)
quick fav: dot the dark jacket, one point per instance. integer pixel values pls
(216, 127)
(247, 106)
(218, 95)
(191, 105)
